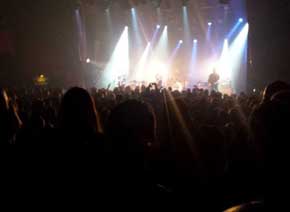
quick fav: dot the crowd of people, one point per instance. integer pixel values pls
(210, 145)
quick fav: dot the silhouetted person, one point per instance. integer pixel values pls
(131, 132)
(131, 126)
(274, 88)
(79, 120)
(213, 80)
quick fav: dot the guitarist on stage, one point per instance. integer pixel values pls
(213, 81)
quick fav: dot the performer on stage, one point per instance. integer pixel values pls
(159, 81)
(213, 81)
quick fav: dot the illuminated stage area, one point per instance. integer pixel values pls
(173, 53)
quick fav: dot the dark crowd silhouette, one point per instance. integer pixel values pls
(209, 146)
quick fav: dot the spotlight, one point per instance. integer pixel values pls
(158, 26)
(195, 41)
(241, 20)
(165, 26)
(209, 23)
(181, 41)
(88, 60)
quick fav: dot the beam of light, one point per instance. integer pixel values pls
(175, 51)
(161, 50)
(208, 33)
(109, 21)
(235, 28)
(193, 62)
(159, 15)
(141, 66)
(110, 28)
(210, 45)
(186, 27)
(176, 117)
(224, 67)
(154, 37)
(157, 61)
(81, 36)
(238, 58)
(119, 63)
(135, 27)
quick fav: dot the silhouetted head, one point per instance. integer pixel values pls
(274, 88)
(282, 96)
(78, 111)
(131, 126)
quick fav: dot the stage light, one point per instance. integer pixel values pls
(224, 67)
(155, 34)
(235, 28)
(238, 59)
(136, 29)
(158, 26)
(161, 49)
(193, 64)
(186, 25)
(41, 80)
(140, 73)
(175, 51)
(209, 32)
(119, 64)
(88, 60)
